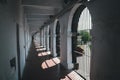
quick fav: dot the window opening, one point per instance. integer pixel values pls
(81, 41)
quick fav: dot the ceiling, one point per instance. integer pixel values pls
(39, 11)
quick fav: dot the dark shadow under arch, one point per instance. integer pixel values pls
(58, 38)
(49, 39)
(74, 28)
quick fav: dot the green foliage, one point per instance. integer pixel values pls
(90, 46)
(85, 36)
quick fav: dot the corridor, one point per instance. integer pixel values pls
(59, 40)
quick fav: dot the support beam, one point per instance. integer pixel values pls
(39, 7)
(31, 11)
(52, 3)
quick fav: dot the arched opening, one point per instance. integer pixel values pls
(81, 41)
(58, 39)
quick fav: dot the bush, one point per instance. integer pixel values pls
(85, 36)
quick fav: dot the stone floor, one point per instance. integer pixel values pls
(41, 66)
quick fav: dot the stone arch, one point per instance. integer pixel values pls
(47, 29)
(70, 30)
(66, 36)
(72, 27)
(54, 26)
(56, 35)
(53, 37)
(81, 48)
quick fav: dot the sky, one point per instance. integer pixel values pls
(85, 20)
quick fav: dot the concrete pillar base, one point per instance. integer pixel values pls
(68, 66)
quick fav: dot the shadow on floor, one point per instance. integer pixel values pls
(34, 69)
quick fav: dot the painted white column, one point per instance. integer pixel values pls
(44, 36)
(42, 43)
(65, 42)
(53, 40)
(66, 38)
(41, 37)
(47, 38)
(54, 44)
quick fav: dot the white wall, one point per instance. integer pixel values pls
(8, 42)
(37, 37)
(27, 37)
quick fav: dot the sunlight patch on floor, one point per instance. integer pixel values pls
(72, 76)
(50, 63)
(40, 49)
(44, 53)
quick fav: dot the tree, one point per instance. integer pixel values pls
(85, 36)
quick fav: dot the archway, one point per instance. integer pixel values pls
(74, 31)
(81, 41)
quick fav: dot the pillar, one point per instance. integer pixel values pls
(44, 36)
(65, 42)
(41, 37)
(105, 63)
(47, 38)
(53, 40)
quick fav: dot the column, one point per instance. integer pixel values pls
(53, 40)
(105, 63)
(47, 38)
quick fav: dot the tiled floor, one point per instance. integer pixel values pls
(41, 66)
